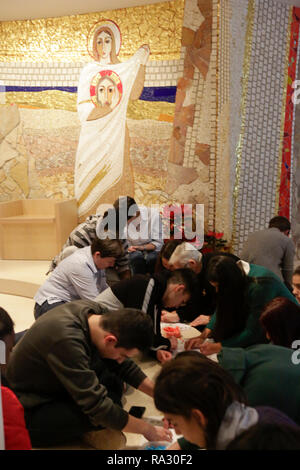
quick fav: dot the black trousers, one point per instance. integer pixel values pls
(45, 307)
(62, 421)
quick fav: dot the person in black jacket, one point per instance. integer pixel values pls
(151, 295)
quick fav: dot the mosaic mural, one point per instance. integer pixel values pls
(211, 121)
(41, 76)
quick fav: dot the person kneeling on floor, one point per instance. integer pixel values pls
(68, 372)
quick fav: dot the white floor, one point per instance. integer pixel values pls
(24, 277)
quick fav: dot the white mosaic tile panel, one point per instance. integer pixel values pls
(260, 153)
(158, 73)
(238, 26)
(222, 185)
(213, 80)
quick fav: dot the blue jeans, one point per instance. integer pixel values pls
(142, 262)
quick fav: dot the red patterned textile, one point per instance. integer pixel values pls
(285, 179)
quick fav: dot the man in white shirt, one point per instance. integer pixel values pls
(79, 276)
(144, 235)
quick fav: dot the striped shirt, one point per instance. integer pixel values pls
(83, 235)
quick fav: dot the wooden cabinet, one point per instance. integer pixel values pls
(35, 229)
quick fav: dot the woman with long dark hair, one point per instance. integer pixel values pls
(201, 401)
(240, 302)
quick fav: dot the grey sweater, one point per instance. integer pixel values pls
(273, 250)
(54, 360)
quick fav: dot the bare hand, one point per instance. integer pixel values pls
(174, 343)
(169, 317)
(208, 348)
(200, 320)
(131, 249)
(193, 343)
(158, 433)
(163, 356)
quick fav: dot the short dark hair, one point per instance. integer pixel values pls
(124, 205)
(267, 436)
(6, 324)
(132, 327)
(193, 381)
(297, 271)
(166, 252)
(281, 320)
(169, 247)
(280, 222)
(183, 276)
(109, 248)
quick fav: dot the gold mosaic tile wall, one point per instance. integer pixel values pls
(64, 39)
(170, 152)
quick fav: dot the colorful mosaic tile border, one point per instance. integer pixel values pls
(158, 73)
(160, 80)
(65, 38)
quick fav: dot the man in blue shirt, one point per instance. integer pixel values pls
(79, 276)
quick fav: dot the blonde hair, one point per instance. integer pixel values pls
(113, 55)
(183, 253)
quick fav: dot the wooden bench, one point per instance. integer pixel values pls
(35, 229)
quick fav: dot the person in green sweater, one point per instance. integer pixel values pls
(268, 375)
(240, 301)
